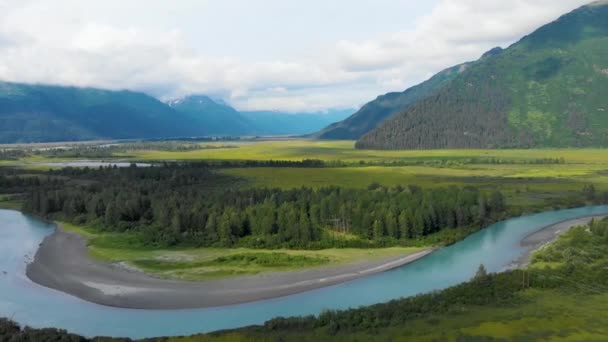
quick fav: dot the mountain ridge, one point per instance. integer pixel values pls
(372, 114)
(53, 113)
(543, 91)
(43, 113)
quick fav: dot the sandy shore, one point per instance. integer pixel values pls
(547, 235)
(62, 263)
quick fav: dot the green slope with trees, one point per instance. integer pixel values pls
(547, 90)
(377, 111)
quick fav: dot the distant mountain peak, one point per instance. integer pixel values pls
(493, 52)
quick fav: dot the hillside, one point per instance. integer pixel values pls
(279, 123)
(383, 107)
(40, 113)
(547, 90)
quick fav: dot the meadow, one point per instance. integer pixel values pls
(345, 151)
(541, 178)
(532, 179)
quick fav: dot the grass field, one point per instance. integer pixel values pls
(525, 186)
(421, 175)
(211, 263)
(345, 151)
(516, 172)
(518, 175)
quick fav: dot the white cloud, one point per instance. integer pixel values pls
(159, 51)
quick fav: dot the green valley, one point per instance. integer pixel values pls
(200, 205)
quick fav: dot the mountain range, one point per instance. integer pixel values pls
(46, 113)
(219, 118)
(41, 113)
(547, 90)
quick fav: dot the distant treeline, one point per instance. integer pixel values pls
(315, 163)
(12, 154)
(14, 184)
(448, 162)
(190, 204)
(112, 150)
(196, 139)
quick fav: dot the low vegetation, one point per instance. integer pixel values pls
(212, 263)
(231, 265)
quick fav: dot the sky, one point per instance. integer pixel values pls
(287, 55)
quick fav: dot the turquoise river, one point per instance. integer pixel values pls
(30, 304)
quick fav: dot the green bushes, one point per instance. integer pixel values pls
(262, 260)
(271, 260)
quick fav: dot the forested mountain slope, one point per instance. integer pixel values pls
(375, 112)
(547, 90)
(41, 113)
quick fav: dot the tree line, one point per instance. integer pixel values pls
(190, 204)
(11, 154)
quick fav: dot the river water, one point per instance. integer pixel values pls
(30, 304)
